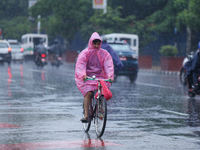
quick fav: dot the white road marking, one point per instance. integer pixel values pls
(50, 88)
(174, 112)
(154, 85)
(134, 94)
(35, 70)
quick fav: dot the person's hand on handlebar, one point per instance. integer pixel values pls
(85, 77)
(111, 79)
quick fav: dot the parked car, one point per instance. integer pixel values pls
(128, 58)
(17, 51)
(183, 79)
(5, 52)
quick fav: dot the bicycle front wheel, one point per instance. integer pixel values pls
(100, 116)
(86, 126)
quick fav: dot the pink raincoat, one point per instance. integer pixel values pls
(93, 61)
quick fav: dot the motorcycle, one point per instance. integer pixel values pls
(57, 61)
(41, 60)
(193, 90)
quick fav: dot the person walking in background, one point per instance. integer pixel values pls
(118, 65)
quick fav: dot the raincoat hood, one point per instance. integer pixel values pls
(93, 37)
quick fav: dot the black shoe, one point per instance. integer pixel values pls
(84, 120)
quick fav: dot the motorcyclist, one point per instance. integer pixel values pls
(39, 49)
(118, 65)
(193, 70)
(56, 49)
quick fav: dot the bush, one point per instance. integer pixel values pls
(168, 50)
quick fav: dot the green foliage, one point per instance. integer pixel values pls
(164, 20)
(168, 50)
(13, 8)
(14, 18)
(111, 22)
(189, 14)
(180, 13)
(192, 16)
(66, 18)
(15, 28)
(139, 8)
(62, 17)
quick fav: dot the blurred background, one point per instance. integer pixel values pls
(157, 23)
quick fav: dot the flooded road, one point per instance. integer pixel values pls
(42, 108)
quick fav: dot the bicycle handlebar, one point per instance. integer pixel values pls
(93, 78)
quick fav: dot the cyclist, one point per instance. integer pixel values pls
(92, 61)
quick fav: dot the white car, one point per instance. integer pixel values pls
(17, 51)
(5, 52)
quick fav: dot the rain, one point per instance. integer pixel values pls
(151, 106)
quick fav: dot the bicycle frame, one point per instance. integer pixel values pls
(99, 89)
(93, 104)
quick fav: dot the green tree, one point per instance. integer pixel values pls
(13, 8)
(15, 28)
(163, 15)
(142, 17)
(180, 13)
(68, 17)
(139, 8)
(113, 21)
(14, 18)
(110, 22)
(189, 16)
(62, 17)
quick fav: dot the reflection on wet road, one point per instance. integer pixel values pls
(41, 109)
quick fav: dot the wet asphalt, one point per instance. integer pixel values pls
(41, 108)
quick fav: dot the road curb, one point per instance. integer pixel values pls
(159, 72)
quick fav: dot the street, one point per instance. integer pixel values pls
(42, 108)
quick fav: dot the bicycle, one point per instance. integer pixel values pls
(97, 109)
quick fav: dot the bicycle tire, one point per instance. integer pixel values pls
(101, 117)
(86, 126)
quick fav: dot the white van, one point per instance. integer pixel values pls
(131, 39)
(29, 41)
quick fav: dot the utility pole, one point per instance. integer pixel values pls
(38, 24)
(175, 32)
(0, 34)
(105, 7)
(188, 43)
(31, 3)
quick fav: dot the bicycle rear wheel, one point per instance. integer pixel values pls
(86, 126)
(100, 116)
